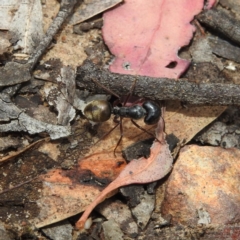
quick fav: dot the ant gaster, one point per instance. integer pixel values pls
(101, 110)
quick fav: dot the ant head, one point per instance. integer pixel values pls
(98, 111)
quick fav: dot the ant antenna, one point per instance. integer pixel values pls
(105, 88)
(130, 92)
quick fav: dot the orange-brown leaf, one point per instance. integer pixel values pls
(139, 171)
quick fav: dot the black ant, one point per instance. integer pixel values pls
(101, 110)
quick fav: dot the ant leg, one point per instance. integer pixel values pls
(133, 87)
(163, 103)
(130, 92)
(144, 130)
(105, 88)
(115, 119)
(121, 136)
(139, 101)
(106, 134)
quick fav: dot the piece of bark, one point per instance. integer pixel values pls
(62, 96)
(201, 53)
(132, 194)
(225, 49)
(221, 22)
(92, 8)
(143, 211)
(158, 88)
(62, 230)
(231, 4)
(26, 28)
(11, 90)
(112, 230)
(20, 121)
(13, 73)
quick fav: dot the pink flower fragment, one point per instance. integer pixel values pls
(145, 36)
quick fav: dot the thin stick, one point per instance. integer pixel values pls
(18, 185)
(4, 159)
(161, 88)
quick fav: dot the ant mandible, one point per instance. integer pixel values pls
(101, 110)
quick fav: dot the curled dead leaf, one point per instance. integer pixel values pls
(142, 170)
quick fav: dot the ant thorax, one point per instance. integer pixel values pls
(134, 112)
(136, 108)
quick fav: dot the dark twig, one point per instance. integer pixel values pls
(66, 9)
(221, 22)
(159, 88)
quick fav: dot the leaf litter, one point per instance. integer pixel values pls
(68, 192)
(101, 157)
(142, 170)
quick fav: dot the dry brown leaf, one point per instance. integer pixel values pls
(65, 193)
(92, 8)
(186, 122)
(139, 171)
